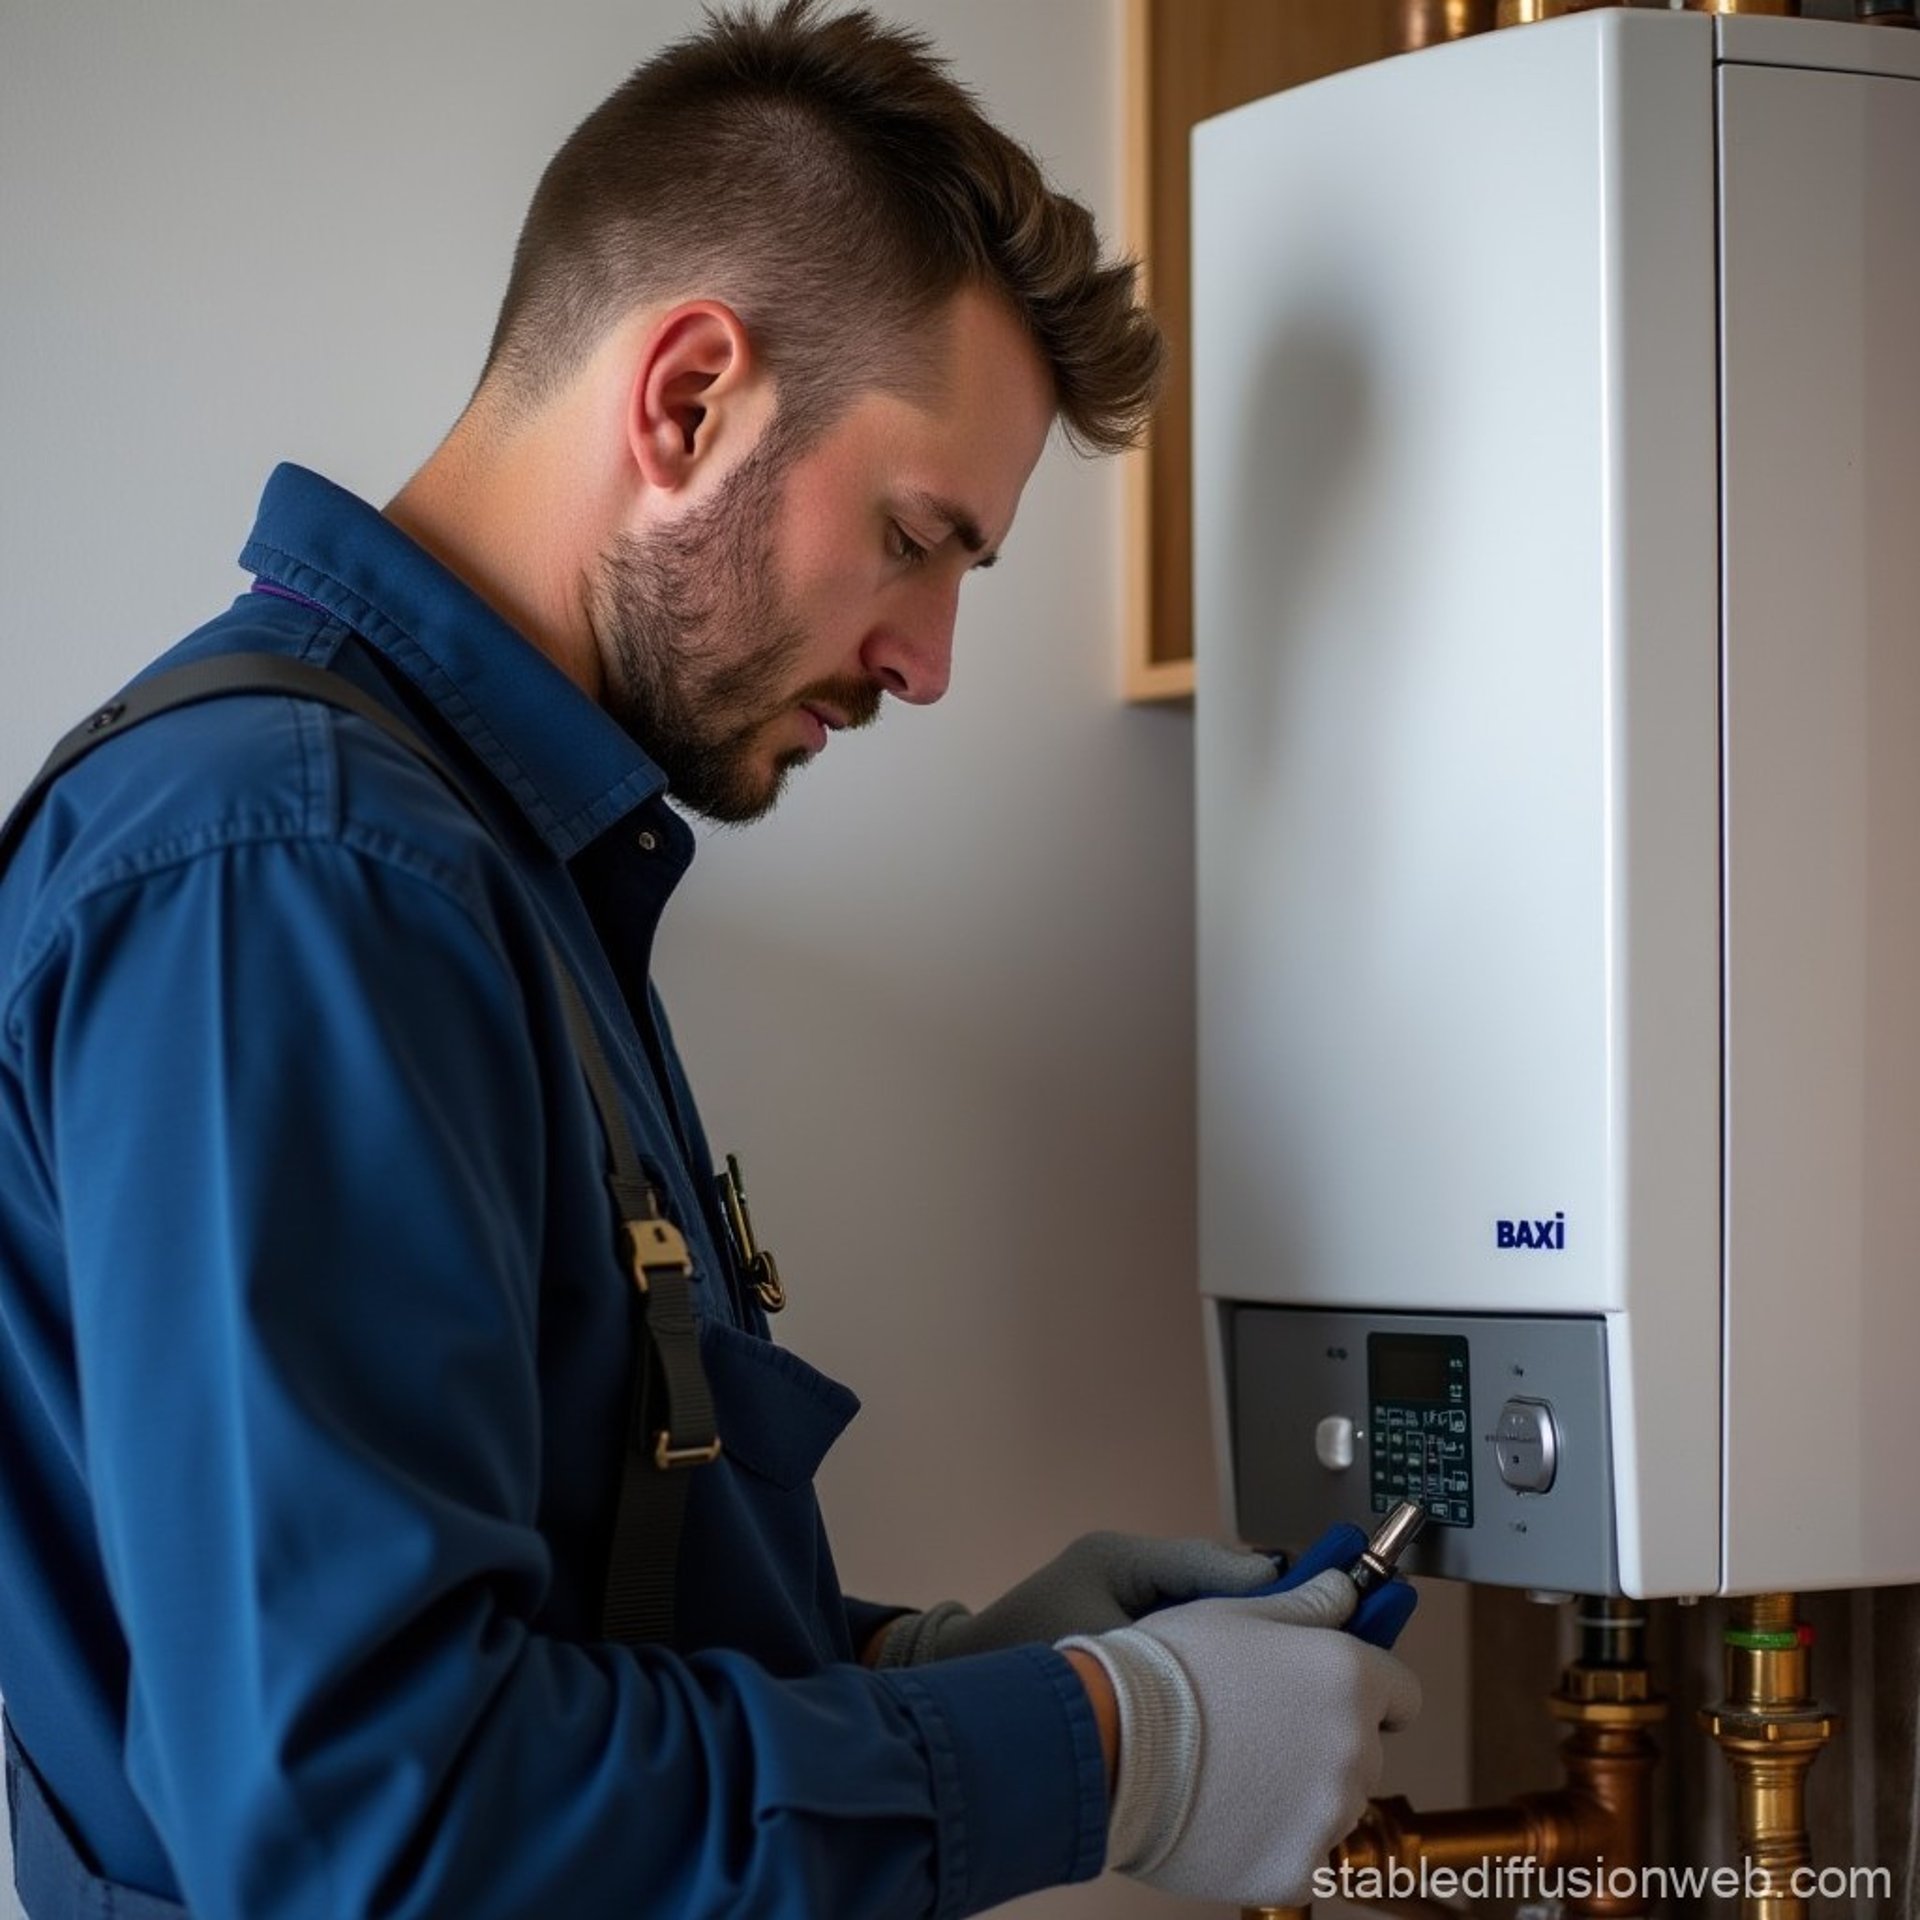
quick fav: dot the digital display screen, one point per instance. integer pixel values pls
(1412, 1366)
(1420, 1408)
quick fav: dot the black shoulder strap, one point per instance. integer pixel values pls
(671, 1421)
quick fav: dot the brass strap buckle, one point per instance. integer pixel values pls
(667, 1456)
(654, 1246)
(754, 1261)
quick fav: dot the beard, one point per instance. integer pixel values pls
(701, 647)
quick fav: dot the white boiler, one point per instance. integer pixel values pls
(1557, 542)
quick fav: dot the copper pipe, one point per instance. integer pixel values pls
(1521, 13)
(1391, 1834)
(1427, 23)
(1609, 1806)
(1604, 1812)
(1771, 1731)
(1399, 1909)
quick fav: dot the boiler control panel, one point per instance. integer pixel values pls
(1497, 1425)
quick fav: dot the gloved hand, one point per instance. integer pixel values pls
(1249, 1740)
(1103, 1580)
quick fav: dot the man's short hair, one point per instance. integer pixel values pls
(826, 177)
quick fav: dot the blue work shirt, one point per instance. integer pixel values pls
(314, 1351)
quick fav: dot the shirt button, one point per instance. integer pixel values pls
(648, 840)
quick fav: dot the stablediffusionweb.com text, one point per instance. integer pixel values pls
(1529, 1880)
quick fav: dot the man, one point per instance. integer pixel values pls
(316, 1340)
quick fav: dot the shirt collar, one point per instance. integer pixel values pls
(562, 757)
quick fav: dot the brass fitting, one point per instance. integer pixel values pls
(1771, 1731)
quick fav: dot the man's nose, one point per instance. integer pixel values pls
(913, 661)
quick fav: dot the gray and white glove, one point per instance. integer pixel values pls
(1102, 1581)
(1249, 1740)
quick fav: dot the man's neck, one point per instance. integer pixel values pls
(484, 506)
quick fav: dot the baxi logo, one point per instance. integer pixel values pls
(1551, 1234)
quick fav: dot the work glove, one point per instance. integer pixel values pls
(1103, 1580)
(1249, 1740)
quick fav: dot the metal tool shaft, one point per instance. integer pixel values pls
(1375, 1566)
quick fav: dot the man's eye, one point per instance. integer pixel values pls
(903, 546)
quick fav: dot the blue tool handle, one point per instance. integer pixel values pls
(1381, 1614)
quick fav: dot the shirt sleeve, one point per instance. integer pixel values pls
(295, 1116)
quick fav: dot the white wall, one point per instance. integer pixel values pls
(940, 1003)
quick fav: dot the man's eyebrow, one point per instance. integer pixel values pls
(966, 528)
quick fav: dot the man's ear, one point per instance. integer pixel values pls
(696, 384)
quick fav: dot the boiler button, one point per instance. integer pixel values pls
(1333, 1442)
(1527, 1446)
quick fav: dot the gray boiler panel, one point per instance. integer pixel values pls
(1292, 1369)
